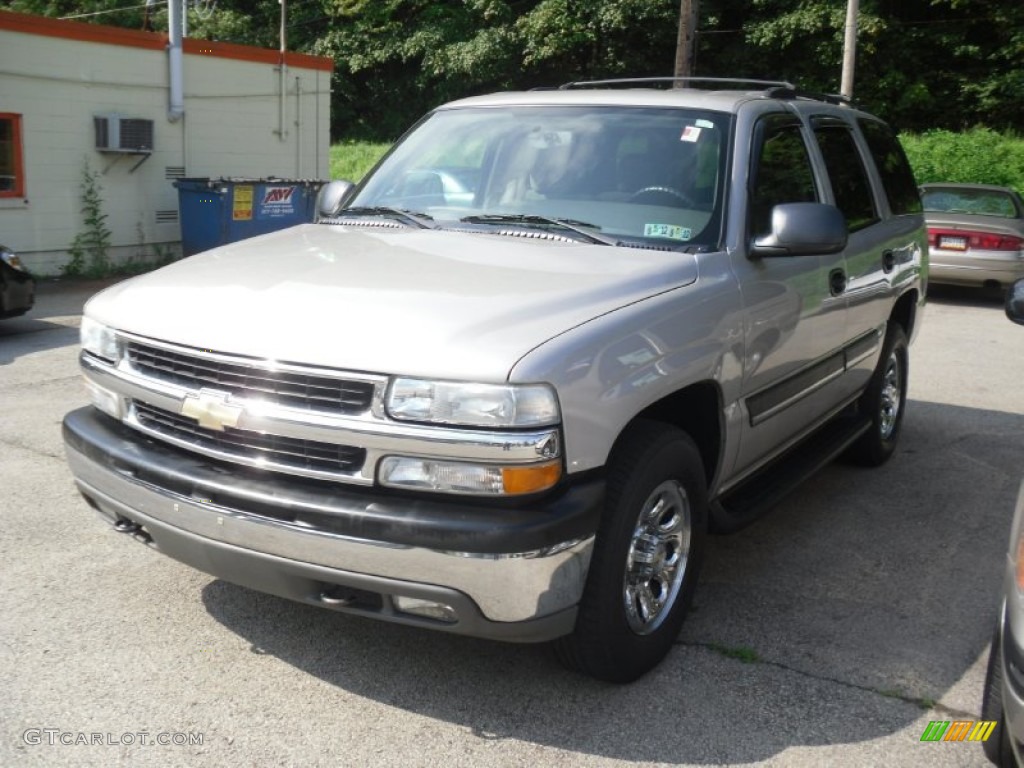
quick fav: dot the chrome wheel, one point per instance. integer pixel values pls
(658, 555)
(892, 394)
(646, 557)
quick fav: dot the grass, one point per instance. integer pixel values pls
(352, 159)
(742, 653)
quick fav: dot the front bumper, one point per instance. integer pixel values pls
(506, 572)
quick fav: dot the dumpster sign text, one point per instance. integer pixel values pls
(241, 206)
(277, 201)
(268, 202)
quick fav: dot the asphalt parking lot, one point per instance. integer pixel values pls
(829, 633)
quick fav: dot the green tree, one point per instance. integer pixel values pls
(921, 63)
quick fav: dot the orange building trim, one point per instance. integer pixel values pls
(251, 53)
(154, 41)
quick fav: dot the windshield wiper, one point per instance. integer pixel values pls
(420, 220)
(582, 228)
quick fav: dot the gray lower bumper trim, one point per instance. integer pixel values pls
(364, 594)
(525, 596)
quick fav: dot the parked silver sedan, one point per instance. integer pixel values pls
(975, 234)
(1003, 698)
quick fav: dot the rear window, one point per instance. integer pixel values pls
(986, 202)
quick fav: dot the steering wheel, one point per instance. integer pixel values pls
(665, 191)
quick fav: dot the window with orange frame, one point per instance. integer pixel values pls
(12, 174)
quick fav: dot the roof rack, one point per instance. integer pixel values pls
(724, 81)
(791, 92)
(775, 89)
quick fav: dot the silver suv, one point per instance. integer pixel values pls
(506, 385)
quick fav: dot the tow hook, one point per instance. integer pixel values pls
(124, 525)
(336, 596)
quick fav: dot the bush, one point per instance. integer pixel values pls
(978, 156)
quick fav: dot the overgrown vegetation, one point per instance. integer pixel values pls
(351, 160)
(979, 156)
(89, 248)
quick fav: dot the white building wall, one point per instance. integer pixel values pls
(230, 129)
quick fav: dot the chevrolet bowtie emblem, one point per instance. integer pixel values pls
(211, 410)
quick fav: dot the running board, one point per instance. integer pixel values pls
(746, 502)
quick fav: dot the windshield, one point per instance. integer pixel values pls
(648, 176)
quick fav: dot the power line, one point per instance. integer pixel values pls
(109, 10)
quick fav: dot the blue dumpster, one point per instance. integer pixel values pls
(218, 211)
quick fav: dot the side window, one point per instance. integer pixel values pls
(782, 171)
(893, 167)
(846, 171)
(12, 177)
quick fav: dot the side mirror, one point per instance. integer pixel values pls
(1015, 302)
(802, 229)
(332, 198)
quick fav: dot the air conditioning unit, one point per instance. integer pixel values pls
(123, 134)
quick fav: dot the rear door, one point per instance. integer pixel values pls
(871, 183)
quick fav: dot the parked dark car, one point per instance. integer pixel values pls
(975, 234)
(1003, 698)
(17, 288)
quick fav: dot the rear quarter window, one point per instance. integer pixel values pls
(893, 168)
(847, 174)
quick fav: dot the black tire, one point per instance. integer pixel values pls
(997, 747)
(635, 598)
(884, 402)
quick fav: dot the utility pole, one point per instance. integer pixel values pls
(686, 42)
(849, 48)
(282, 70)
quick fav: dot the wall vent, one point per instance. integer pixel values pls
(167, 217)
(174, 172)
(123, 134)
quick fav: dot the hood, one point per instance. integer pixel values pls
(415, 302)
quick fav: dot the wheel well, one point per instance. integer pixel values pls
(905, 312)
(697, 410)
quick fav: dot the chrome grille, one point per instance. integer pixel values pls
(251, 447)
(290, 388)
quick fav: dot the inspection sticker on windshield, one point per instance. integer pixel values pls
(671, 231)
(690, 133)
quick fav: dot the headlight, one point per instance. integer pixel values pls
(11, 260)
(472, 405)
(99, 340)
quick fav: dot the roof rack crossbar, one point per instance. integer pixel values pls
(725, 81)
(798, 93)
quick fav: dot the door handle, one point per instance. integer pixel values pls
(836, 281)
(888, 261)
